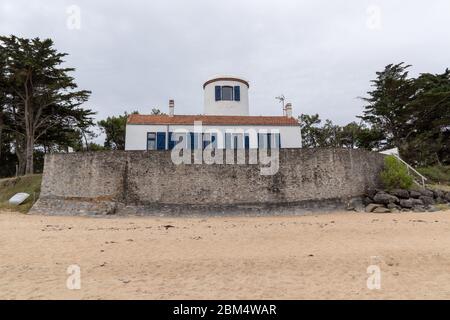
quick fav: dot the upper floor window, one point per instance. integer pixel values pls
(228, 93)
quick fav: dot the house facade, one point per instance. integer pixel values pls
(225, 123)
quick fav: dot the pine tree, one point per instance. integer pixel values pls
(42, 95)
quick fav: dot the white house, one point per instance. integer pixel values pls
(226, 123)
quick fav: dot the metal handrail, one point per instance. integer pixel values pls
(409, 167)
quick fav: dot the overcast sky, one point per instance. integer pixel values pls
(135, 55)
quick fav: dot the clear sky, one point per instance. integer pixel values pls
(136, 55)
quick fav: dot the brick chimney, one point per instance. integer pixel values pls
(171, 107)
(288, 109)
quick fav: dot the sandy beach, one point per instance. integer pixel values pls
(322, 256)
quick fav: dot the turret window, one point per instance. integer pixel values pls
(228, 93)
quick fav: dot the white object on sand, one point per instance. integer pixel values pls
(18, 198)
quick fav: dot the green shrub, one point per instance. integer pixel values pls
(437, 174)
(395, 174)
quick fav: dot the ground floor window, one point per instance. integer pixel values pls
(151, 141)
(234, 141)
(269, 140)
(209, 139)
(156, 141)
(163, 140)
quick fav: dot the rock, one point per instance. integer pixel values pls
(427, 200)
(414, 194)
(417, 202)
(438, 193)
(407, 203)
(440, 200)
(392, 206)
(433, 209)
(384, 198)
(381, 210)
(367, 201)
(447, 196)
(427, 193)
(372, 192)
(400, 193)
(405, 210)
(394, 210)
(419, 209)
(355, 204)
(371, 207)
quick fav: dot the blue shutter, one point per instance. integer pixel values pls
(276, 140)
(161, 141)
(184, 140)
(171, 142)
(205, 141)
(218, 93)
(214, 140)
(179, 138)
(191, 137)
(237, 93)
(247, 141)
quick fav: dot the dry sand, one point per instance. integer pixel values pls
(295, 257)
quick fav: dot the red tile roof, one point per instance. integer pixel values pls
(212, 120)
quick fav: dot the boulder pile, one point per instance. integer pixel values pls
(400, 200)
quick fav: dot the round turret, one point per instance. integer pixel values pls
(226, 95)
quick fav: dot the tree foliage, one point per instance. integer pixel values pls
(114, 128)
(41, 105)
(412, 113)
(352, 135)
(387, 103)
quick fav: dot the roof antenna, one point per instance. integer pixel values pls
(281, 98)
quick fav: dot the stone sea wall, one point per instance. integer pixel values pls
(121, 182)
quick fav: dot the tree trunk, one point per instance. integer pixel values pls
(1, 140)
(20, 153)
(1, 133)
(29, 154)
(29, 124)
(2, 124)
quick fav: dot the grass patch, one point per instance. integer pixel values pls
(437, 174)
(442, 187)
(30, 184)
(443, 207)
